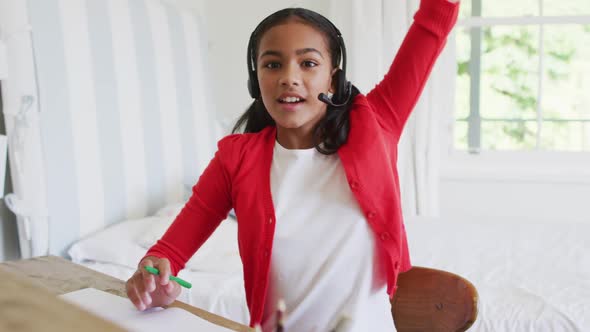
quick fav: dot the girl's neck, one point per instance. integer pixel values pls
(295, 139)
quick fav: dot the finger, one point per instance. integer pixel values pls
(139, 283)
(149, 283)
(171, 288)
(146, 299)
(139, 302)
(144, 292)
(164, 267)
(174, 291)
(147, 261)
(133, 295)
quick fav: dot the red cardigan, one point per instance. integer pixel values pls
(239, 174)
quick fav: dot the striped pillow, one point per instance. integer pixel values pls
(124, 115)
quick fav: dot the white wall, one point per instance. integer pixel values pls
(529, 201)
(543, 187)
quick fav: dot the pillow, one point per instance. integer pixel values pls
(218, 254)
(98, 246)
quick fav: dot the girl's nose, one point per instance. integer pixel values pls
(290, 76)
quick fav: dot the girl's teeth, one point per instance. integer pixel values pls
(291, 100)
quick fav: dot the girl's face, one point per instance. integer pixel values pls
(294, 66)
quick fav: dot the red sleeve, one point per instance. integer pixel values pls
(396, 95)
(204, 211)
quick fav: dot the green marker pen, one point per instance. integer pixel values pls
(181, 282)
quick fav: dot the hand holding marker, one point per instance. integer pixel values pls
(181, 282)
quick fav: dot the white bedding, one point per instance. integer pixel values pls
(530, 277)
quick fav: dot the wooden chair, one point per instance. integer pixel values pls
(433, 300)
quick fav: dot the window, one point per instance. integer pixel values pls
(523, 77)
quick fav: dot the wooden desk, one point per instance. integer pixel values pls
(28, 302)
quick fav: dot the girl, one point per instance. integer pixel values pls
(312, 179)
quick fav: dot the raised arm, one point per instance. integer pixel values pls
(396, 95)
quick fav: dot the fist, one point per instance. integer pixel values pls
(146, 290)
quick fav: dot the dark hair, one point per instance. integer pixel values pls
(332, 130)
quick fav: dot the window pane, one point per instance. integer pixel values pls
(566, 7)
(566, 77)
(509, 73)
(460, 135)
(504, 135)
(465, 9)
(463, 49)
(504, 8)
(565, 136)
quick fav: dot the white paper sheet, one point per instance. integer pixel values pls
(122, 312)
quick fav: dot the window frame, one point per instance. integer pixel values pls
(475, 23)
(522, 165)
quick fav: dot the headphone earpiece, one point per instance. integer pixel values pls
(340, 84)
(253, 87)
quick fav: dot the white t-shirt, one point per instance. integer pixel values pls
(323, 256)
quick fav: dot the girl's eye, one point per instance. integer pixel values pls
(309, 63)
(272, 65)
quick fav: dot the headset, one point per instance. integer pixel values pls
(343, 87)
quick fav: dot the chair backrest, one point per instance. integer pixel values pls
(433, 300)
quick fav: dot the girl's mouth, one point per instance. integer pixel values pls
(291, 103)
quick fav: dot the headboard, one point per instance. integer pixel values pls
(107, 113)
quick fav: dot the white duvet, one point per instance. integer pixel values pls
(530, 277)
